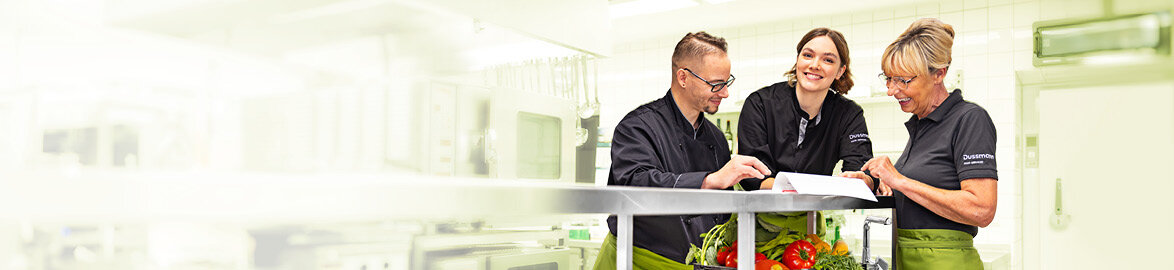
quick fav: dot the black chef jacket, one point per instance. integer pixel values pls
(769, 129)
(655, 146)
(955, 142)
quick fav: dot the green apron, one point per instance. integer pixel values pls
(797, 221)
(641, 258)
(936, 249)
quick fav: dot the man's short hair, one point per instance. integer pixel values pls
(696, 45)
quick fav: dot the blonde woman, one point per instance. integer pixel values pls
(945, 181)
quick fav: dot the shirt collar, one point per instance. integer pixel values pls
(799, 109)
(940, 113)
(681, 121)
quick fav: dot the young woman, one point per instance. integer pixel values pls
(805, 124)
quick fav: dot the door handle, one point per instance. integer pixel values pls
(1059, 198)
(1059, 220)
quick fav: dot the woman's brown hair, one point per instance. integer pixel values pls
(840, 85)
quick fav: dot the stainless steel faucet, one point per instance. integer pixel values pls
(866, 260)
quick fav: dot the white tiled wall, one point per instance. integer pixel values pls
(993, 39)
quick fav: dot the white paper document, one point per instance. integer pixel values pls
(822, 185)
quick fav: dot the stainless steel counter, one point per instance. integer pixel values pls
(627, 202)
(268, 198)
(488, 197)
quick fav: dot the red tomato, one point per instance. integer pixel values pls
(732, 259)
(799, 255)
(721, 255)
(769, 265)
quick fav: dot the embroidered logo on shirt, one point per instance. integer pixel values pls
(973, 159)
(859, 137)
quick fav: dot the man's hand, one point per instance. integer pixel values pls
(739, 167)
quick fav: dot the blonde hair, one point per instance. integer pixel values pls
(923, 48)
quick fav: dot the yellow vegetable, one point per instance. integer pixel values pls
(840, 248)
(811, 237)
(819, 244)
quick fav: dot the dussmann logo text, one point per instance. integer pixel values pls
(977, 156)
(859, 137)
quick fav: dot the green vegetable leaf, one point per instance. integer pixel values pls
(770, 227)
(763, 235)
(693, 251)
(710, 256)
(780, 240)
(730, 232)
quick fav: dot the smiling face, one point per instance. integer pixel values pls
(917, 63)
(818, 65)
(715, 68)
(922, 94)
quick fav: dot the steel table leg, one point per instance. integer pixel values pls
(894, 242)
(624, 242)
(746, 223)
(812, 226)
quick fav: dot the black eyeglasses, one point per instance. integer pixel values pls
(898, 82)
(714, 87)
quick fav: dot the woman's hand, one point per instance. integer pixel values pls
(883, 190)
(883, 169)
(767, 184)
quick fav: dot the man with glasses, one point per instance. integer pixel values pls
(667, 143)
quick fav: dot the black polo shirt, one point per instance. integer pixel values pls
(953, 143)
(655, 146)
(774, 128)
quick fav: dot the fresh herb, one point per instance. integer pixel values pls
(717, 237)
(829, 261)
